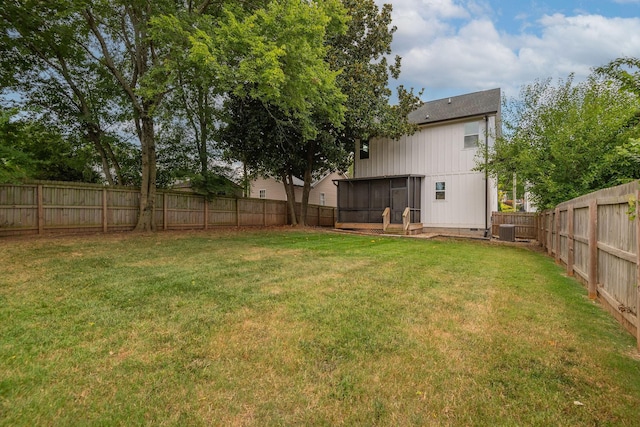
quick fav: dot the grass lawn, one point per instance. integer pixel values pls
(281, 327)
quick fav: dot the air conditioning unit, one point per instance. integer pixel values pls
(507, 232)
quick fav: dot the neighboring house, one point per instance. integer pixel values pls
(430, 172)
(323, 191)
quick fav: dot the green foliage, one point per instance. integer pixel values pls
(276, 55)
(213, 183)
(568, 140)
(263, 134)
(314, 75)
(46, 61)
(14, 165)
(361, 55)
(625, 71)
(632, 209)
(31, 149)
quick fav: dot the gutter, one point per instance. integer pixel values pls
(486, 176)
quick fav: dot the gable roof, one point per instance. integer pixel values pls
(457, 107)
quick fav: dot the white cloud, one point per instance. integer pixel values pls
(452, 47)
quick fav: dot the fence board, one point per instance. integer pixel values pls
(58, 206)
(606, 253)
(525, 223)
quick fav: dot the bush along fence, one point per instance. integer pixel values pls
(45, 207)
(597, 237)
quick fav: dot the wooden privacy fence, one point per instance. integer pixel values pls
(66, 207)
(597, 238)
(525, 223)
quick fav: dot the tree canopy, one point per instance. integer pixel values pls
(569, 139)
(284, 86)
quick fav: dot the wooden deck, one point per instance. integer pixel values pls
(414, 228)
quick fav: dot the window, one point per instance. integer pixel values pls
(364, 150)
(440, 190)
(471, 132)
(322, 199)
(263, 194)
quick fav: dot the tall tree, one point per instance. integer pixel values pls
(273, 62)
(120, 42)
(42, 62)
(359, 56)
(192, 108)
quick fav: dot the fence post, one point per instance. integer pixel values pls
(638, 270)
(557, 239)
(570, 254)
(165, 209)
(593, 248)
(105, 215)
(264, 212)
(550, 233)
(237, 212)
(206, 213)
(40, 197)
(541, 230)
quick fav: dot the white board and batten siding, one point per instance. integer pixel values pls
(437, 151)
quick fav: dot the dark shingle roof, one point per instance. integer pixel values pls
(457, 107)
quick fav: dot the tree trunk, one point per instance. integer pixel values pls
(306, 189)
(203, 106)
(146, 221)
(93, 135)
(287, 180)
(114, 163)
(246, 183)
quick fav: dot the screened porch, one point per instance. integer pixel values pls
(390, 203)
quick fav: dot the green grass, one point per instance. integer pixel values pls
(302, 328)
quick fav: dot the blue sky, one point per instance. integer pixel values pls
(450, 47)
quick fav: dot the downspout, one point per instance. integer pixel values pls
(486, 176)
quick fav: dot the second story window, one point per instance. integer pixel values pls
(471, 133)
(364, 150)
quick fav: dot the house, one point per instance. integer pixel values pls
(428, 181)
(323, 191)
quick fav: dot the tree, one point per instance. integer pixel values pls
(622, 71)
(273, 63)
(35, 150)
(358, 56)
(265, 140)
(190, 114)
(626, 72)
(566, 140)
(120, 42)
(54, 76)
